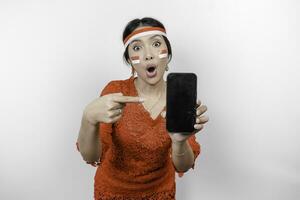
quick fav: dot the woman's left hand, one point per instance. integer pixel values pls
(200, 121)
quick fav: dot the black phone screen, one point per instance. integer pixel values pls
(181, 102)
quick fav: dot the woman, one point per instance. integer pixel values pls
(137, 157)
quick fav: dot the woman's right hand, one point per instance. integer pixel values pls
(108, 108)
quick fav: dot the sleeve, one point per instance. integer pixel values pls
(111, 87)
(105, 128)
(196, 150)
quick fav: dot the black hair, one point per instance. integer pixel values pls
(146, 21)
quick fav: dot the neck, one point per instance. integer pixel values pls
(150, 90)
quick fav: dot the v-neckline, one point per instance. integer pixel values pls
(144, 110)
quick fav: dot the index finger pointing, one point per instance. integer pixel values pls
(127, 99)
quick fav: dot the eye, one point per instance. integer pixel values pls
(136, 48)
(156, 44)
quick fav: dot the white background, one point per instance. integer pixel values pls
(56, 56)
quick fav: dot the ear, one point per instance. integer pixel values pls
(169, 58)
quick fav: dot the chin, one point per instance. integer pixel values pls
(155, 80)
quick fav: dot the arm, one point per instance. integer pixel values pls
(89, 144)
(182, 156)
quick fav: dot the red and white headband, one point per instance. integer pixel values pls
(142, 32)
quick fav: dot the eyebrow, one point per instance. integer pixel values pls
(155, 36)
(137, 40)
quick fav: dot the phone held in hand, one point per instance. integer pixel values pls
(181, 102)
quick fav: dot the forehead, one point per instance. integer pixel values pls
(147, 38)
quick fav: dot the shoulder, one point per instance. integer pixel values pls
(115, 86)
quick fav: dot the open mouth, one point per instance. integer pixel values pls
(151, 71)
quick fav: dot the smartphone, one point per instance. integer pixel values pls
(181, 102)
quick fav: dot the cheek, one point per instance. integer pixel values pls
(163, 54)
(135, 59)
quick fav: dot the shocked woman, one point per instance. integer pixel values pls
(123, 132)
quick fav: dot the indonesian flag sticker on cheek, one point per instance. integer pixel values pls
(163, 53)
(135, 59)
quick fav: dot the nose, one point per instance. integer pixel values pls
(149, 57)
(148, 53)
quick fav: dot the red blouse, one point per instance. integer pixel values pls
(136, 158)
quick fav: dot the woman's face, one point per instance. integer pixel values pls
(148, 55)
